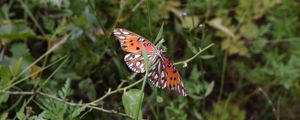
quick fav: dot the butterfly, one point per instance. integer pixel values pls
(162, 73)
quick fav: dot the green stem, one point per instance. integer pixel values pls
(144, 82)
(91, 5)
(223, 75)
(192, 58)
(122, 4)
(25, 78)
(115, 91)
(32, 17)
(149, 17)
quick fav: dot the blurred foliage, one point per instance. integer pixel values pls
(256, 47)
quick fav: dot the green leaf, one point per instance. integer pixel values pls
(189, 22)
(226, 111)
(20, 50)
(4, 116)
(160, 33)
(21, 113)
(16, 30)
(4, 75)
(15, 70)
(4, 82)
(65, 90)
(159, 99)
(130, 101)
(49, 23)
(20, 60)
(76, 112)
(209, 88)
(87, 87)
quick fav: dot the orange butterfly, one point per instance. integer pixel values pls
(162, 72)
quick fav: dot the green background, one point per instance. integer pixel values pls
(60, 61)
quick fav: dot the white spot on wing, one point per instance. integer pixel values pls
(183, 92)
(143, 70)
(126, 33)
(138, 63)
(165, 85)
(117, 33)
(159, 66)
(142, 66)
(141, 40)
(149, 74)
(121, 37)
(126, 56)
(156, 76)
(131, 65)
(137, 55)
(162, 74)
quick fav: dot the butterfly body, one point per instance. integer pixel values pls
(162, 73)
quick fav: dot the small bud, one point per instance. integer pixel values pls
(201, 26)
(183, 14)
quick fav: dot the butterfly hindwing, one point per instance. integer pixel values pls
(135, 61)
(131, 42)
(157, 74)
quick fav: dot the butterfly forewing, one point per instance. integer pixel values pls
(131, 42)
(173, 78)
(163, 74)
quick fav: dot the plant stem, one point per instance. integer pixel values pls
(144, 82)
(223, 75)
(149, 17)
(115, 91)
(63, 101)
(192, 58)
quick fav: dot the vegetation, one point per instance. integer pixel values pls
(238, 59)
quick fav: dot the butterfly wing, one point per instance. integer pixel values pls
(131, 42)
(135, 61)
(157, 73)
(163, 74)
(174, 81)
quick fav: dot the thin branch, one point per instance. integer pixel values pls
(27, 10)
(65, 102)
(192, 58)
(270, 103)
(95, 102)
(137, 5)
